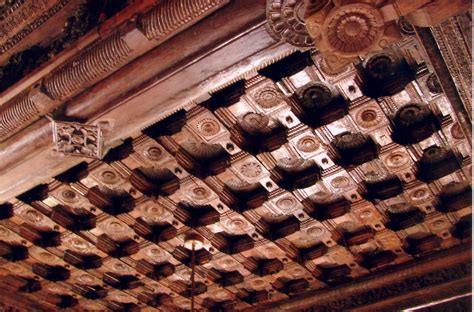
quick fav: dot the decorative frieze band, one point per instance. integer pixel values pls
(454, 47)
(18, 22)
(105, 57)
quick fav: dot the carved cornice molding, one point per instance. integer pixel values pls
(448, 266)
(23, 18)
(455, 49)
(28, 23)
(432, 279)
(451, 69)
(103, 58)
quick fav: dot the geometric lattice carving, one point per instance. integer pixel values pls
(78, 139)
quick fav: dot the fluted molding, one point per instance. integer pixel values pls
(104, 57)
(162, 21)
(94, 63)
(23, 110)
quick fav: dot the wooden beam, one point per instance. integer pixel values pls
(209, 61)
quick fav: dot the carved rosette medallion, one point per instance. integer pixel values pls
(236, 226)
(397, 159)
(45, 257)
(271, 252)
(200, 193)
(153, 213)
(221, 295)
(257, 284)
(182, 303)
(85, 279)
(340, 182)
(237, 185)
(419, 194)
(33, 217)
(69, 196)
(343, 31)
(251, 169)
(307, 144)
(267, 96)
(296, 272)
(4, 233)
(120, 297)
(353, 28)
(78, 139)
(273, 216)
(77, 244)
(208, 127)
(153, 153)
(108, 176)
(17, 269)
(286, 205)
(121, 268)
(366, 214)
(368, 117)
(227, 263)
(56, 289)
(315, 231)
(156, 255)
(286, 21)
(115, 229)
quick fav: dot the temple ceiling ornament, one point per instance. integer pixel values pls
(313, 187)
(78, 139)
(343, 30)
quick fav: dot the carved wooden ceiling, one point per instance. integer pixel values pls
(299, 177)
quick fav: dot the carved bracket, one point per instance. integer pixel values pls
(78, 139)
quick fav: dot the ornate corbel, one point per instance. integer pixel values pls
(74, 138)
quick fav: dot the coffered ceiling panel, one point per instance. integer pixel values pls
(297, 177)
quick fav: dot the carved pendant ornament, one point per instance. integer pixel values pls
(78, 139)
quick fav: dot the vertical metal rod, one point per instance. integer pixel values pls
(193, 260)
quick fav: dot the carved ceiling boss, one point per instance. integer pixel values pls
(344, 29)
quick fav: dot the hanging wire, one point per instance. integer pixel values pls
(193, 260)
